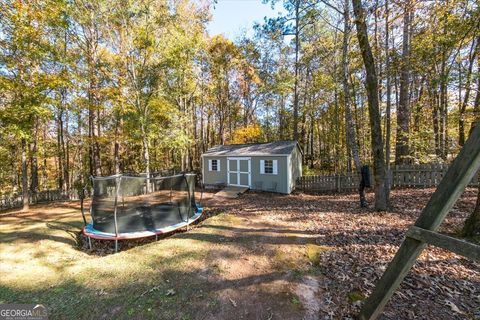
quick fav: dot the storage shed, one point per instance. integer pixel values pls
(271, 166)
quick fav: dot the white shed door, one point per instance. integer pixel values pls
(239, 172)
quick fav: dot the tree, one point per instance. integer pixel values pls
(301, 12)
(248, 134)
(24, 52)
(403, 113)
(100, 88)
(224, 57)
(88, 18)
(474, 51)
(381, 194)
(349, 121)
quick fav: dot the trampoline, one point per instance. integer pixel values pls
(131, 207)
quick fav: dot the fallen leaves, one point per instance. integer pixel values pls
(363, 242)
(453, 307)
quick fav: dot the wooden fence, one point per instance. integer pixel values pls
(417, 176)
(16, 200)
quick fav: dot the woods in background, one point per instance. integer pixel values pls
(98, 87)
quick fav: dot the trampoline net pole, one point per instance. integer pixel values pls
(189, 203)
(92, 195)
(170, 190)
(118, 182)
(82, 197)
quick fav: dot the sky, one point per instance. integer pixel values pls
(232, 18)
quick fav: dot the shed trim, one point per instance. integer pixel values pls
(245, 155)
(289, 174)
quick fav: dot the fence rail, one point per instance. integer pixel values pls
(418, 176)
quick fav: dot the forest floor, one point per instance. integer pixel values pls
(261, 256)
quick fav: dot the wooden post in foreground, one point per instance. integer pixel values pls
(449, 190)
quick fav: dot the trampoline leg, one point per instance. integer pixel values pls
(90, 243)
(116, 245)
(156, 237)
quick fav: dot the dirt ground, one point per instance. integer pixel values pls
(261, 256)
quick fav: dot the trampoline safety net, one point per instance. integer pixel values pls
(141, 203)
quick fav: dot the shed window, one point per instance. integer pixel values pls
(214, 165)
(268, 167)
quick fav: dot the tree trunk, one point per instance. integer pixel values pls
(443, 111)
(146, 150)
(116, 150)
(403, 113)
(388, 121)
(45, 157)
(381, 194)
(435, 116)
(146, 154)
(463, 103)
(350, 125)
(92, 96)
(60, 147)
(297, 49)
(34, 160)
(419, 107)
(25, 191)
(281, 119)
(117, 142)
(311, 141)
(443, 107)
(63, 131)
(208, 142)
(13, 165)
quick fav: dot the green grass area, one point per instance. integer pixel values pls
(42, 262)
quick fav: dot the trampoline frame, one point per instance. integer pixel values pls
(91, 233)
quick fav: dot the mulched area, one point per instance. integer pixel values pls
(361, 242)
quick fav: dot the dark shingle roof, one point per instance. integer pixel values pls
(253, 149)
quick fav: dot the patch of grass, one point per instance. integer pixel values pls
(355, 295)
(284, 261)
(213, 304)
(314, 270)
(58, 290)
(228, 219)
(288, 258)
(314, 253)
(295, 300)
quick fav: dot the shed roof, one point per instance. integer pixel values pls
(274, 148)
